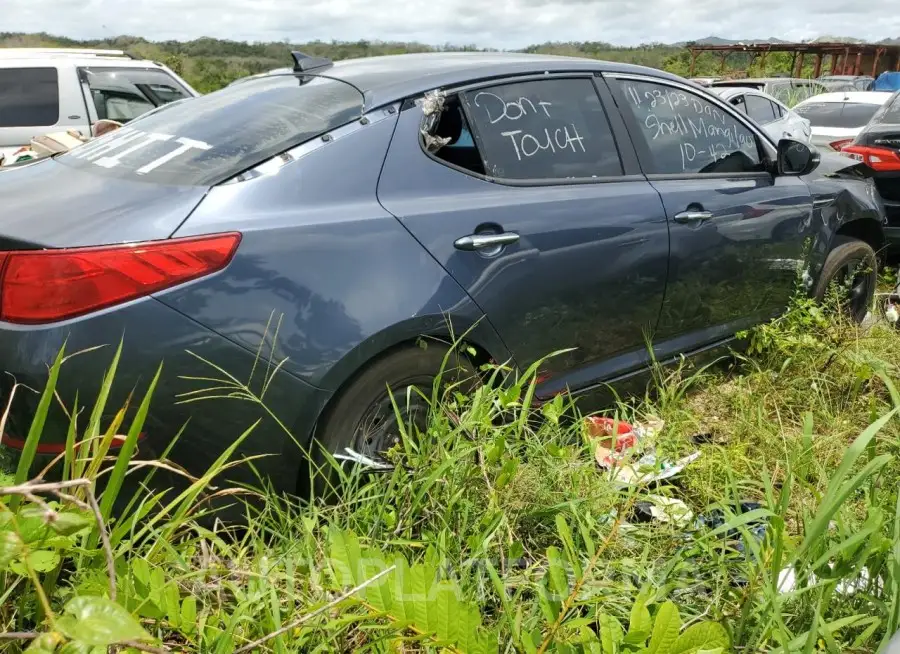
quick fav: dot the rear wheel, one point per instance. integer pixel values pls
(363, 417)
(852, 269)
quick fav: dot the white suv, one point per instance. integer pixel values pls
(54, 90)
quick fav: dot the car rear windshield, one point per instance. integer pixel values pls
(837, 114)
(891, 112)
(206, 140)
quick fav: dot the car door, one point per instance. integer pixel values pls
(531, 197)
(735, 229)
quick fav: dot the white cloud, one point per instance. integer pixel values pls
(494, 23)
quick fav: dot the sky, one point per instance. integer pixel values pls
(505, 24)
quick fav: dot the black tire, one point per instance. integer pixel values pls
(362, 417)
(853, 266)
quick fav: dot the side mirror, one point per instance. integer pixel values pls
(796, 158)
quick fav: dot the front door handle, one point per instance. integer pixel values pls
(693, 216)
(485, 241)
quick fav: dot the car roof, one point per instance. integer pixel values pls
(864, 97)
(80, 57)
(727, 92)
(844, 77)
(759, 80)
(391, 78)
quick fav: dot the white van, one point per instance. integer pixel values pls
(57, 89)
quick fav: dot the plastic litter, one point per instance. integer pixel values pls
(649, 469)
(662, 509)
(363, 460)
(610, 447)
(617, 443)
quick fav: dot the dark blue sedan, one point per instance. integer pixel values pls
(320, 221)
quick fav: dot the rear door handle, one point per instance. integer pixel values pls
(474, 242)
(692, 216)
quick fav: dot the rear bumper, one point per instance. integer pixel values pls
(154, 334)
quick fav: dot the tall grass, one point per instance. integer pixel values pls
(495, 530)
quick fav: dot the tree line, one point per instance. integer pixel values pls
(208, 64)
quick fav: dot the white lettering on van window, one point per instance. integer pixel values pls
(113, 161)
(186, 145)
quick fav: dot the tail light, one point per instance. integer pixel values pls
(840, 144)
(44, 286)
(880, 159)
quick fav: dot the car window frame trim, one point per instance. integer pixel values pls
(764, 141)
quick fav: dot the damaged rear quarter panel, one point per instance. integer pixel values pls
(842, 192)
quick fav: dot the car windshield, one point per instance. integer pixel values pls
(837, 114)
(206, 140)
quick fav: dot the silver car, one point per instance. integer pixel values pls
(772, 115)
(837, 118)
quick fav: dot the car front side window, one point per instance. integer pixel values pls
(549, 129)
(760, 109)
(680, 132)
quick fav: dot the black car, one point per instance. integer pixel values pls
(878, 146)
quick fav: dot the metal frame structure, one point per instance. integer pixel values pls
(844, 58)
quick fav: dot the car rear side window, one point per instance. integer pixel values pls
(206, 140)
(739, 103)
(123, 94)
(837, 114)
(679, 132)
(760, 109)
(543, 130)
(29, 97)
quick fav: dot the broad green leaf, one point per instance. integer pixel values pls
(404, 611)
(699, 637)
(345, 557)
(140, 568)
(80, 648)
(447, 614)
(99, 621)
(158, 587)
(173, 604)
(422, 581)
(565, 534)
(39, 560)
(70, 522)
(611, 634)
(189, 614)
(665, 629)
(10, 547)
(549, 607)
(640, 624)
(44, 644)
(556, 571)
(380, 592)
(589, 641)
